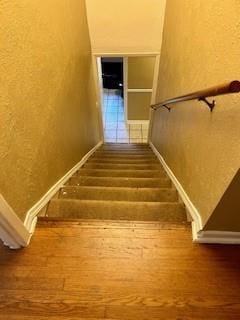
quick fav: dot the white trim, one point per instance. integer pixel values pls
(155, 79)
(97, 74)
(154, 94)
(125, 54)
(138, 122)
(197, 220)
(125, 87)
(150, 127)
(12, 230)
(222, 237)
(139, 90)
(31, 217)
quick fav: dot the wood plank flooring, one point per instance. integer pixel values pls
(111, 270)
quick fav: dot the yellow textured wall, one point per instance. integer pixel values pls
(47, 104)
(200, 49)
(125, 26)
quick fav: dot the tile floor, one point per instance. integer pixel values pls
(115, 128)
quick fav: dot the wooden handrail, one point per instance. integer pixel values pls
(226, 88)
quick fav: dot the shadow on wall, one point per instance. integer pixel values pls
(226, 216)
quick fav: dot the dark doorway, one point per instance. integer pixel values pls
(112, 74)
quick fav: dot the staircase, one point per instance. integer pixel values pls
(119, 182)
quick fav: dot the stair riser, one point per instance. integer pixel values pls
(119, 194)
(124, 152)
(120, 182)
(116, 210)
(122, 161)
(125, 145)
(120, 173)
(124, 156)
(118, 149)
(122, 166)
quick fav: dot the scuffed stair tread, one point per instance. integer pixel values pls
(125, 149)
(121, 182)
(126, 210)
(121, 173)
(111, 224)
(122, 166)
(123, 161)
(119, 194)
(130, 149)
(124, 155)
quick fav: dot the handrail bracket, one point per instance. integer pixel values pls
(211, 105)
(165, 106)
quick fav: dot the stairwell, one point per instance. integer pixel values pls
(119, 182)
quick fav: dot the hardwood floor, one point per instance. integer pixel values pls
(101, 270)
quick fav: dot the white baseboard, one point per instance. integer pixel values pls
(16, 234)
(197, 221)
(218, 237)
(198, 234)
(31, 217)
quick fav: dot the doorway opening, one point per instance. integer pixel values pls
(127, 90)
(115, 128)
